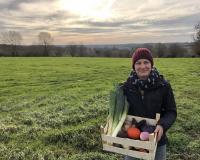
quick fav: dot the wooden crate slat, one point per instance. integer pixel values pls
(128, 152)
(150, 145)
(154, 152)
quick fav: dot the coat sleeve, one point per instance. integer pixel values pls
(169, 112)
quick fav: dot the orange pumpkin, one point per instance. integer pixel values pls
(133, 133)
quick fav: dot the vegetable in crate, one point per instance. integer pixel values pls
(127, 124)
(117, 111)
(123, 132)
(133, 133)
(134, 123)
(144, 127)
(148, 128)
(144, 136)
(141, 123)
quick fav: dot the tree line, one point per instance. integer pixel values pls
(11, 46)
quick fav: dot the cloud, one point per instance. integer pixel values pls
(129, 20)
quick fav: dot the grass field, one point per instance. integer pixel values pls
(51, 108)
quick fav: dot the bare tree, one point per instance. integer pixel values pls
(46, 40)
(197, 39)
(160, 50)
(176, 50)
(72, 49)
(13, 39)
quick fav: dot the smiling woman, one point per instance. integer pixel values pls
(95, 9)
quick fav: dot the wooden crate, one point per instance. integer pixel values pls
(124, 145)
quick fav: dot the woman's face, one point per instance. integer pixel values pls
(143, 68)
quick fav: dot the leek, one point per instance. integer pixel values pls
(119, 106)
(117, 111)
(111, 111)
(123, 118)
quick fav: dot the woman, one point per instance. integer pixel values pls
(149, 93)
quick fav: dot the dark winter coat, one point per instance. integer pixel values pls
(146, 103)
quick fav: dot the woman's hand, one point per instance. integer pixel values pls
(159, 131)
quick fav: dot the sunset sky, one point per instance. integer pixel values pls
(101, 21)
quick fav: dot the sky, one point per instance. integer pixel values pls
(101, 21)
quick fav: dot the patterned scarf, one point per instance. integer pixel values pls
(151, 82)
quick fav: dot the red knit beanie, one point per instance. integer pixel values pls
(141, 53)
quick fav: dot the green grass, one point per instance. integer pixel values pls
(51, 108)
